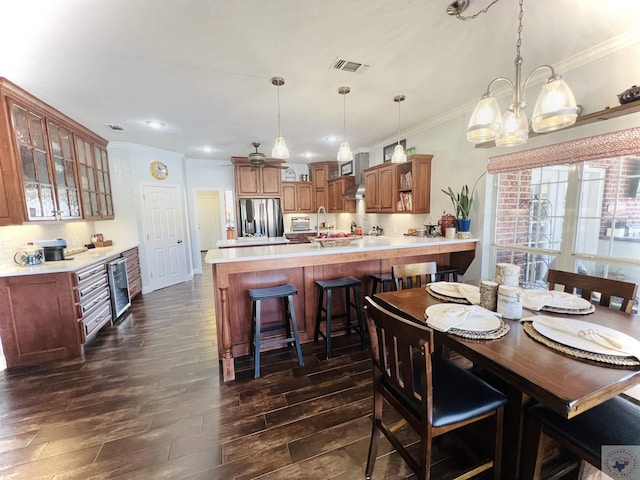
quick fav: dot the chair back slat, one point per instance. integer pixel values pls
(413, 275)
(588, 285)
(401, 349)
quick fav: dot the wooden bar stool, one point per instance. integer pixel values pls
(383, 279)
(286, 292)
(350, 286)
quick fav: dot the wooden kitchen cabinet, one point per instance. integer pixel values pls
(38, 321)
(256, 182)
(92, 298)
(380, 188)
(336, 188)
(413, 179)
(297, 197)
(320, 175)
(38, 160)
(133, 272)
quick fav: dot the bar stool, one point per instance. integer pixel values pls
(447, 273)
(384, 279)
(350, 286)
(286, 292)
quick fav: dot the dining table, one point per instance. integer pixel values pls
(525, 369)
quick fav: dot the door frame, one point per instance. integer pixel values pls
(195, 241)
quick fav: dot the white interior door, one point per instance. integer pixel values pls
(164, 232)
(209, 223)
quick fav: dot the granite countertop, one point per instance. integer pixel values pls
(227, 255)
(75, 262)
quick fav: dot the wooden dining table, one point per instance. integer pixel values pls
(526, 369)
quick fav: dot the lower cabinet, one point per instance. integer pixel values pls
(133, 272)
(93, 300)
(38, 321)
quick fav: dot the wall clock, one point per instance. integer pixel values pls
(159, 170)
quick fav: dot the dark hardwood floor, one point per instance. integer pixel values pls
(146, 402)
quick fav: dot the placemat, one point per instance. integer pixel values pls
(616, 360)
(569, 311)
(446, 298)
(499, 332)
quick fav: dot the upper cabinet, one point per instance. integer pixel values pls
(252, 181)
(39, 162)
(399, 187)
(336, 188)
(297, 197)
(320, 175)
(95, 184)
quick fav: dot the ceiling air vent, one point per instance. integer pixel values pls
(115, 127)
(349, 66)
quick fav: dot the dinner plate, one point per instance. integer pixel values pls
(575, 341)
(473, 318)
(555, 300)
(462, 291)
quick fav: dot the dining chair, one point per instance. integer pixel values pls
(431, 394)
(606, 287)
(614, 422)
(413, 275)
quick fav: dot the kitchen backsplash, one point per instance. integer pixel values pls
(15, 238)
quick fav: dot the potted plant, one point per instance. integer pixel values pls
(462, 203)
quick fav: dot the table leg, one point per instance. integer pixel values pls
(512, 433)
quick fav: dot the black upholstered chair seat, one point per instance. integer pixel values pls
(449, 406)
(615, 422)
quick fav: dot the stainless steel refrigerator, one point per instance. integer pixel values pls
(261, 217)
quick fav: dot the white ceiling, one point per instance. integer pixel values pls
(203, 67)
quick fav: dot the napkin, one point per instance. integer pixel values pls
(457, 290)
(582, 333)
(538, 299)
(444, 317)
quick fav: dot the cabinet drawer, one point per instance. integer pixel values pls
(135, 287)
(97, 319)
(90, 286)
(88, 272)
(93, 301)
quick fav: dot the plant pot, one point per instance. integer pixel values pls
(464, 224)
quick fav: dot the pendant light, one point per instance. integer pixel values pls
(344, 154)
(280, 149)
(398, 153)
(555, 108)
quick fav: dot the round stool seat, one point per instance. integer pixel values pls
(339, 283)
(384, 279)
(272, 292)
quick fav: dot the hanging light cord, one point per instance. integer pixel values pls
(344, 117)
(475, 15)
(278, 109)
(399, 122)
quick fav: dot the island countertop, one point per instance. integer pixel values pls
(237, 270)
(364, 244)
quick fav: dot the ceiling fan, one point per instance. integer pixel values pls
(258, 159)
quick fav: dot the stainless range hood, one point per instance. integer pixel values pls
(360, 162)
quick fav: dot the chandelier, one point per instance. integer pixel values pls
(398, 153)
(344, 153)
(555, 108)
(280, 149)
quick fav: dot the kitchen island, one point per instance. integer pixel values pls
(236, 270)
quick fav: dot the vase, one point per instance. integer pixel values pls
(464, 224)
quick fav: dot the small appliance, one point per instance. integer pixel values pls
(300, 224)
(53, 249)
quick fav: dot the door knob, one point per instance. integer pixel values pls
(179, 241)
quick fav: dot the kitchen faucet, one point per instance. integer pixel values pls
(324, 212)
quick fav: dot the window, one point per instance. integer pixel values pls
(578, 214)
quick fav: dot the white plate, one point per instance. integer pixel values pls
(478, 319)
(450, 289)
(575, 341)
(540, 299)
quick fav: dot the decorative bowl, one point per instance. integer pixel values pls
(335, 241)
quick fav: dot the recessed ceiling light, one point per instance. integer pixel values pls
(207, 149)
(333, 139)
(308, 155)
(155, 124)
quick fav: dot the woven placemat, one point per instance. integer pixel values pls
(446, 298)
(616, 360)
(499, 332)
(569, 311)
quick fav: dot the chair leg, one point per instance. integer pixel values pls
(375, 433)
(318, 316)
(347, 300)
(294, 326)
(287, 317)
(252, 335)
(359, 316)
(328, 324)
(257, 343)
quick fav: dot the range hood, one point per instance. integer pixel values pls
(360, 162)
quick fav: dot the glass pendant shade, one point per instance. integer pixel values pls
(515, 129)
(280, 149)
(345, 154)
(485, 122)
(398, 155)
(555, 108)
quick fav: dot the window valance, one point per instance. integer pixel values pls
(614, 144)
